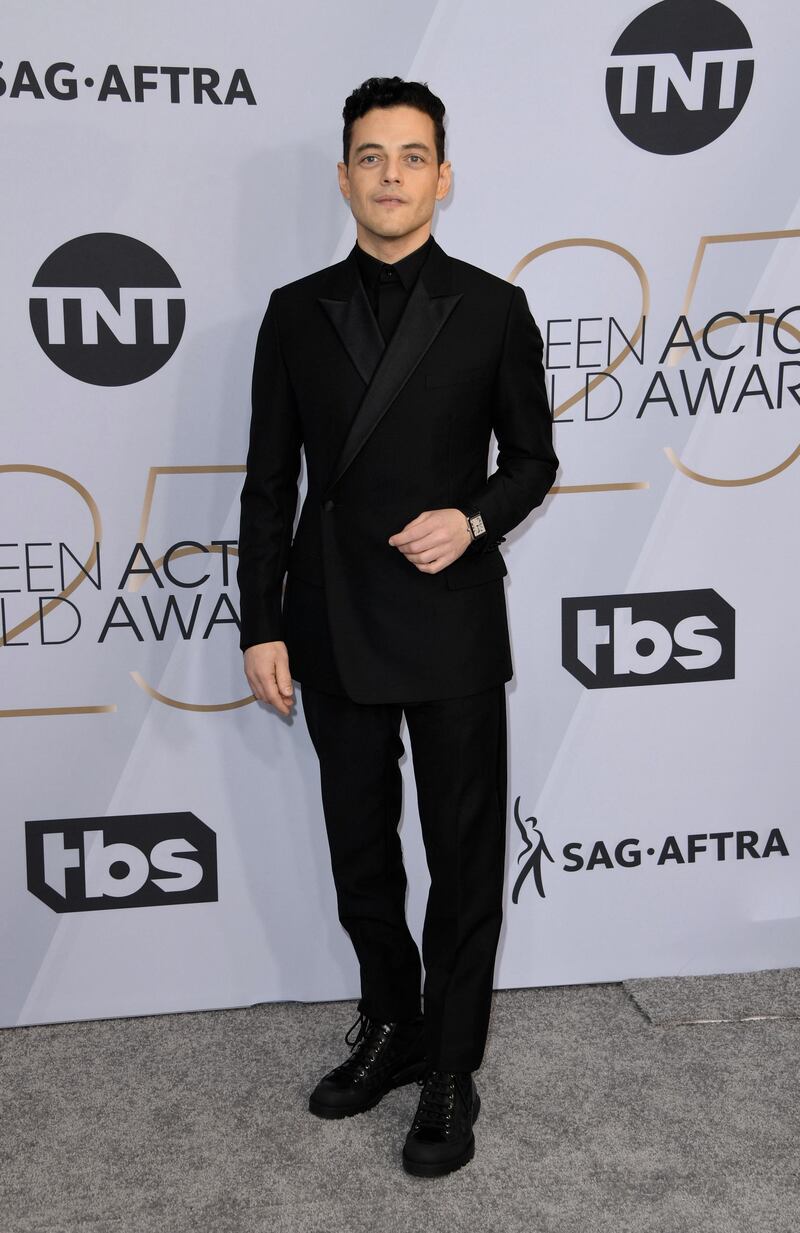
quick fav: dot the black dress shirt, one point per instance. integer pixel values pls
(389, 286)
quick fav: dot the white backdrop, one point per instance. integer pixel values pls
(133, 429)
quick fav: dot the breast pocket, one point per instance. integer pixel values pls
(476, 375)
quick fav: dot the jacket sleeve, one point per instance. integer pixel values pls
(269, 493)
(523, 426)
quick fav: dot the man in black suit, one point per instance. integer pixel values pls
(391, 369)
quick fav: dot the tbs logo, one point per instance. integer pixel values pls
(679, 75)
(107, 309)
(658, 638)
(131, 861)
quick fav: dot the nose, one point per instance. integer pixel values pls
(391, 171)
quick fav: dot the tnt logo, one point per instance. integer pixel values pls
(130, 861)
(679, 75)
(658, 638)
(107, 309)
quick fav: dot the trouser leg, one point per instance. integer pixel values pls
(459, 753)
(359, 748)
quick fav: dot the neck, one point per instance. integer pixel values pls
(391, 248)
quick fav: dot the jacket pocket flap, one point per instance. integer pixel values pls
(469, 569)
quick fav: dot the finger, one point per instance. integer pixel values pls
(410, 527)
(265, 687)
(420, 541)
(261, 677)
(274, 698)
(255, 686)
(403, 537)
(424, 558)
(284, 678)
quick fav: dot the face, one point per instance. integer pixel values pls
(392, 181)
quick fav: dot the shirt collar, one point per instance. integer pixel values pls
(406, 269)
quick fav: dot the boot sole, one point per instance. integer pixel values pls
(420, 1168)
(334, 1112)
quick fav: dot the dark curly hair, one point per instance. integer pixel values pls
(393, 92)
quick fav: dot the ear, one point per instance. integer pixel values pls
(445, 180)
(344, 180)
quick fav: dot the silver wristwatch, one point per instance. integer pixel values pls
(476, 526)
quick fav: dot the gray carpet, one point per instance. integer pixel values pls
(671, 1001)
(593, 1121)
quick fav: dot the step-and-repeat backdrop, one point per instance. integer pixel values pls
(634, 168)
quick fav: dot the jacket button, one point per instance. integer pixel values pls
(328, 506)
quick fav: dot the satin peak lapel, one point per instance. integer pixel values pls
(423, 318)
(358, 330)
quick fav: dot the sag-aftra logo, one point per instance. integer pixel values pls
(62, 81)
(626, 852)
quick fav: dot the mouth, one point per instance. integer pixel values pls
(390, 201)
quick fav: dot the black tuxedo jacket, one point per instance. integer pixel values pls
(389, 431)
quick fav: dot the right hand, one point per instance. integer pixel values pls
(266, 666)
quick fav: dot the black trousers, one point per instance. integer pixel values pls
(458, 748)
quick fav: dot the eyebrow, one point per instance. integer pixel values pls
(408, 145)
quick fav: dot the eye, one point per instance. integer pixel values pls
(367, 157)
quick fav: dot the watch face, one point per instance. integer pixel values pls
(476, 522)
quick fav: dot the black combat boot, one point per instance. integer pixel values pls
(382, 1056)
(441, 1139)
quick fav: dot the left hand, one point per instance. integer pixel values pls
(434, 539)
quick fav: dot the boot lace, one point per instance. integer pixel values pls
(369, 1040)
(360, 1027)
(437, 1100)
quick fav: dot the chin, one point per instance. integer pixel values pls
(389, 224)
(388, 227)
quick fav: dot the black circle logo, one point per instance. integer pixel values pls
(679, 75)
(107, 309)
